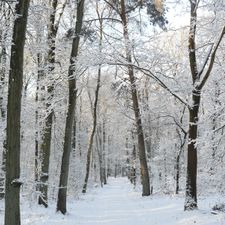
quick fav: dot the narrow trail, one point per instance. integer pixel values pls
(119, 204)
(115, 204)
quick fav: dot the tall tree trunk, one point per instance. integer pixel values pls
(133, 166)
(74, 140)
(141, 144)
(98, 138)
(13, 183)
(199, 79)
(95, 106)
(191, 181)
(37, 133)
(100, 146)
(79, 127)
(45, 146)
(177, 169)
(104, 152)
(90, 144)
(108, 162)
(61, 202)
(36, 141)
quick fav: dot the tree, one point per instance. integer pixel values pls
(13, 183)
(140, 134)
(156, 13)
(199, 79)
(95, 107)
(61, 201)
(91, 140)
(45, 146)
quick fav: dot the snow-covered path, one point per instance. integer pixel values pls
(118, 204)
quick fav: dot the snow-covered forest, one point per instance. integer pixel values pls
(112, 112)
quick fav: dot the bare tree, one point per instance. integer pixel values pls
(61, 201)
(199, 79)
(13, 183)
(140, 134)
(95, 106)
(91, 140)
(45, 146)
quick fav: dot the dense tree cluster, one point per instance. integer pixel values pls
(92, 89)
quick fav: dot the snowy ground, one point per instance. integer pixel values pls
(118, 204)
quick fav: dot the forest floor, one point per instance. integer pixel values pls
(119, 204)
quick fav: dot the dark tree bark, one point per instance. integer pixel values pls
(177, 175)
(191, 187)
(74, 141)
(100, 146)
(140, 134)
(98, 138)
(40, 74)
(62, 194)
(199, 79)
(133, 164)
(12, 187)
(45, 146)
(108, 161)
(79, 127)
(104, 153)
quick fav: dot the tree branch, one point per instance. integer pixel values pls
(211, 63)
(154, 77)
(104, 18)
(206, 61)
(112, 6)
(176, 122)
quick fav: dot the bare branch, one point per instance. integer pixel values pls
(211, 63)
(206, 61)
(104, 18)
(112, 6)
(220, 128)
(149, 73)
(175, 121)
